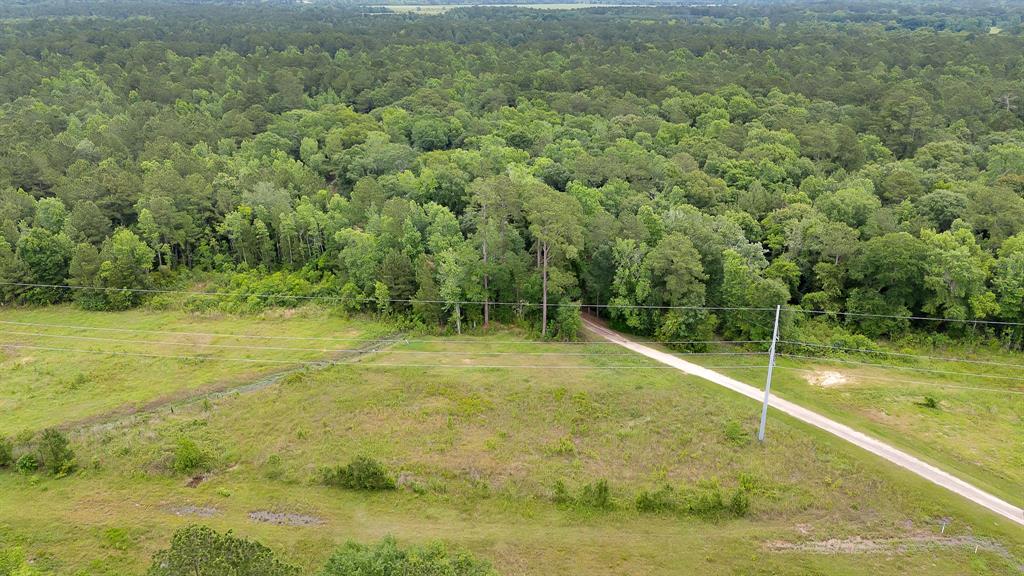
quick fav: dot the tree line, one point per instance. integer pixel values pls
(656, 160)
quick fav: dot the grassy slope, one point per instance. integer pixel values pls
(43, 388)
(483, 447)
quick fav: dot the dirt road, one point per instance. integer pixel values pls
(898, 457)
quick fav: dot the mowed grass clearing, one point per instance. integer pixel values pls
(477, 451)
(44, 384)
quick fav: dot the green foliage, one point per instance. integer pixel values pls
(201, 551)
(661, 500)
(567, 324)
(354, 559)
(362, 473)
(6, 452)
(708, 500)
(13, 562)
(188, 456)
(55, 452)
(736, 434)
(594, 495)
(591, 175)
(27, 463)
(739, 503)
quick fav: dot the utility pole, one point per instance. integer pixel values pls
(768, 382)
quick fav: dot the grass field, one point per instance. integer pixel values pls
(976, 430)
(477, 451)
(44, 385)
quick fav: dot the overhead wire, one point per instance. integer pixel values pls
(916, 382)
(501, 303)
(340, 350)
(369, 298)
(901, 354)
(367, 340)
(911, 368)
(909, 317)
(356, 363)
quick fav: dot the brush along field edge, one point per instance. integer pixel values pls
(877, 447)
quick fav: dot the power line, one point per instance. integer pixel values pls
(323, 363)
(370, 299)
(950, 372)
(903, 355)
(918, 382)
(927, 318)
(367, 340)
(336, 350)
(500, 303)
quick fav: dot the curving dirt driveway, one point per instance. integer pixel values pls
(898, 457)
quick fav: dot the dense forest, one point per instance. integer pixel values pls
(467, 167)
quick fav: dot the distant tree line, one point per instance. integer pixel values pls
(846, 161)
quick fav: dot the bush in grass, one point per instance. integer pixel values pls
(705, 499)
(739, 503)
(362, 473)
(14, 563)
(6, 453)
(561, 494)
(27, 464)
(566, 324)
(708, 500)
(662, 500)
(201, 551)
(55, 452)
(387, 558)
(188, 456)
(595, 495)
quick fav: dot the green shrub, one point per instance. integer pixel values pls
(739, 503)
(201, 550)
(705, 499)
(6, 453)
(562, 447)
(708, 500)
(27, 464)
(566, 324)
(14, 563)
(594, 495)
(362, 473)
(387, 558)
(561, 494)
(662, 500)
(55, 453)
(272, 468)
(188, 457)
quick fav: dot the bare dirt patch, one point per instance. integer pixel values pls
(284, 518)
(190, 510)
(858, 545)
(827, 378)
(24, 360)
